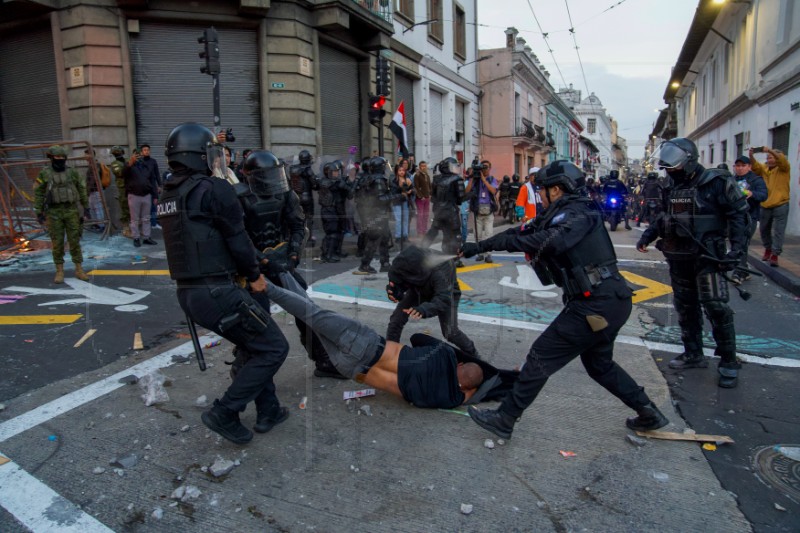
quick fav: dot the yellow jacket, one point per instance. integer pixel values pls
(777, 180)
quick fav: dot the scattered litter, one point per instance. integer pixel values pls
(185, 428)
(85, 337)
(466, 508)
(303, 402)
(153, 386)
(710, 447)
(185, 493)
(108, 415)
(183, 336)
(792, 452)
(180, 358)
(158, 513)
(666, 435)
(89, 425)
(731, 412)
(173, 504)
(221, 467)
(201, 401)
(52, 438)
(137, 341)
(127, 461)
(659, 359)
(488, 443)
(204, 469)
(689, 431)
(515, 508)
(98, 470)
(237, 462)
(501, 442)
(354, 468)
(119, 471)
(541, 505)
(429, 487)
(636, 441)
(148, 447)
(350, 394)
(130, 506)
(28, 340)
(567, 454)
(130, 379)
(2, 406)
(213, 343)
(367, 410)
(661, 477)
(780, 507)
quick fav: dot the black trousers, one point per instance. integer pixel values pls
(448, 221)
(570, 336)
(210, 305)
(377, 239)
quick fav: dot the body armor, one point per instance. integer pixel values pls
(262, 216)
(327, 192)
(301, 180)
(61, 187)
(584, 266)
(448, 189)
(116, 167)
(195, 248)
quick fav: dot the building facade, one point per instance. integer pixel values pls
(736, 84)
(294, 75)
(599, 128)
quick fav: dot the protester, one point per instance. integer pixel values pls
(775, 209)
(754, 188)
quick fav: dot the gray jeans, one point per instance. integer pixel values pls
(352, 347)
(773, 227)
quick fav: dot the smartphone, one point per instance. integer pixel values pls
(758, 149)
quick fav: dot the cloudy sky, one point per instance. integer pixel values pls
(627, 51)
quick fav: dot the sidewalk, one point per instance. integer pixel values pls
(787, 275)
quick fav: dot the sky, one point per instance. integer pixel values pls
(627, 52)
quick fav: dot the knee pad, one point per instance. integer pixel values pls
(712, 287)
(718, 312)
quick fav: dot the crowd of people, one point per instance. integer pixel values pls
(234, 235)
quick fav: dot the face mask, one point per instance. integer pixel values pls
(59, 165)
(677, 174)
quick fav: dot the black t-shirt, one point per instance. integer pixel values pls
(427, 376)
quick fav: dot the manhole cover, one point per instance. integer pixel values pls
(779, 466)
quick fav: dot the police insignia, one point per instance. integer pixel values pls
(558, 218)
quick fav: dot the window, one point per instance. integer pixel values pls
(591, 125)
(711, 154)
(436, 29)
(726, 63)
(739, 140)
(460, 121)
(517, 111)
(786, 15)
(724, 151)
(703, 92)
(405, 8)
(780, 138)
(713, 79)
(459, 32)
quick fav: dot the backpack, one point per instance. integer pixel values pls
(105, 176)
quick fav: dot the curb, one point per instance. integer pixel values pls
(780, 276)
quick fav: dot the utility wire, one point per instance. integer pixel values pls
(577, 50)
(549, 49)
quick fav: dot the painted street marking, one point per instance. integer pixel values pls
(652, 288)
(85, 337)
(527, 280)
(25, 320)
(129, 273)
(474, 268)
(40, 508)
(137, 341)
(123, 299)
(10, 298)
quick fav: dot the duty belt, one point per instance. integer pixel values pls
(194, 283)
(596, 275)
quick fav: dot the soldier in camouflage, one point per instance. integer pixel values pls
(58, 191)
(124, 211)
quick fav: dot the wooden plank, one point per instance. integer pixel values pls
(694, 437)
(137, 341)
(85, 336)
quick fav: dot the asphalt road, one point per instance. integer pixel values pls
(761, 413)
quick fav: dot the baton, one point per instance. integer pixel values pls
(198, 351)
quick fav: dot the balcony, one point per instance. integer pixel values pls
(382, 8)
(528, 134)
(368, 22)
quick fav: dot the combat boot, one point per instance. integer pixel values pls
(79, 273)
(494, 420)
(59, 274)
(728, 377)
(266, 421)
(685, 361)
(226, 423)
(648, 419)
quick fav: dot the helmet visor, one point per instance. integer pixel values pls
(215, 156)
(669, 156)
(456, 168)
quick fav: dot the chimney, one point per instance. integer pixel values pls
(511, 37)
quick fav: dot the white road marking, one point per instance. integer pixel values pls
(87, 293)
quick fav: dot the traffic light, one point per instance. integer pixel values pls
(382, 77)
(376, 111)
(210, 52)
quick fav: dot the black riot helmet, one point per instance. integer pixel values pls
(187, 145)
(265, 173)
(335, 166)
(515, 178)
(652, 176)
(326, 168)
(675, 155)
(613, 175)
(563, 173)
(450, 165)
(305, 157)
(506, 179)
(377, 165)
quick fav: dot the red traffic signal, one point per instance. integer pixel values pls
(376, 111)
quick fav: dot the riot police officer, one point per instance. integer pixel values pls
(329, 186)
(272, 213)
(504, 190)
(653, 196)
(207, 247)
(513, 194)
(569, 246)
(376, 199)
(448, 193)
(614, 187)
(700, 205)
(304, 182)
(344, 192)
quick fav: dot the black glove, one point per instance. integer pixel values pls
(732, 259)
(294, 260)
(469, 249)
(641, 244)
(41, 218)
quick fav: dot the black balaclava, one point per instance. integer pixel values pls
(59, 165)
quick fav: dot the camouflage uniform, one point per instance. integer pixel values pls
(124, 212)
(57, 196)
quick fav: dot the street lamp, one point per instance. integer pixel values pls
(484, 58)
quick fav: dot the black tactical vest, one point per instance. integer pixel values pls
(262, 217)
(195, 248)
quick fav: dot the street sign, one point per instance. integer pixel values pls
(278, 85)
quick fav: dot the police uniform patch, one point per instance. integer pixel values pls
(558, 218)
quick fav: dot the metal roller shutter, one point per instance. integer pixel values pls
(29, 108)
(405, 93)
(169, 88)
(340, 99)
(437, 127)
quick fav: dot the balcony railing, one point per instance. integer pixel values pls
(382, 8)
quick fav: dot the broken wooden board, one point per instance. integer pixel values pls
(85, 336)
(4, 460)
(137, 341)
(694, 437)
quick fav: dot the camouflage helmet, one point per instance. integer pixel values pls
(117, 150)
(56, 151)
